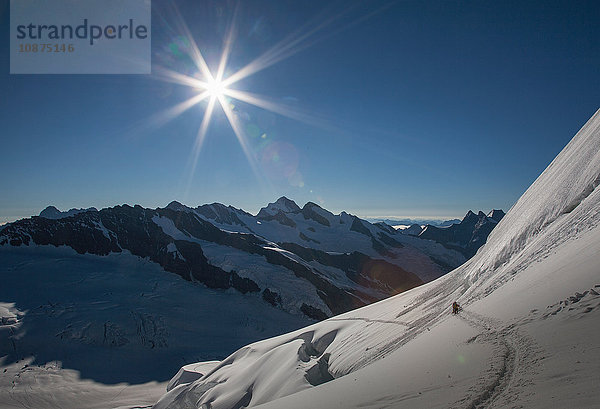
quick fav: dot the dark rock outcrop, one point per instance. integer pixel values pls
(309, 212)
(467, 236)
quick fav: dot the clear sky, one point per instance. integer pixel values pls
(408, 108)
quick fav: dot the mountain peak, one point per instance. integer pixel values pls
(310, 205)
(287, 203)
(50, 212)
(283, 204)
(176, 206)
(470, 217)
(496, 214)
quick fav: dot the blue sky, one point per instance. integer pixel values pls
(414, 109)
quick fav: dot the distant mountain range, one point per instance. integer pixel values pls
(467, 236)
(302, 260)
(422, 222)
(52, 212)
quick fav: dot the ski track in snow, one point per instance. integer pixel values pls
(515, 355)
(370, 320)
(510, 369)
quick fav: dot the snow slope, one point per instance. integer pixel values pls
(527, 337)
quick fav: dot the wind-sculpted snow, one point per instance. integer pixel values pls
(536, 275)
(260, 372)
(547, 205)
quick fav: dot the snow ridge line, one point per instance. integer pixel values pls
(436, 301)
(511, 367)
(370, 320)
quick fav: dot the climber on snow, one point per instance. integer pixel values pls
(455, 308)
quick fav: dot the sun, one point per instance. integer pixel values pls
(215, 88)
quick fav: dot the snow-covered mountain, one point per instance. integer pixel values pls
(527, 335)
(408, 222)
(302, 260)
(412, 230)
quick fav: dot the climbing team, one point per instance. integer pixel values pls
(455, 308)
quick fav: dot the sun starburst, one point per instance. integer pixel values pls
(217, 89)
